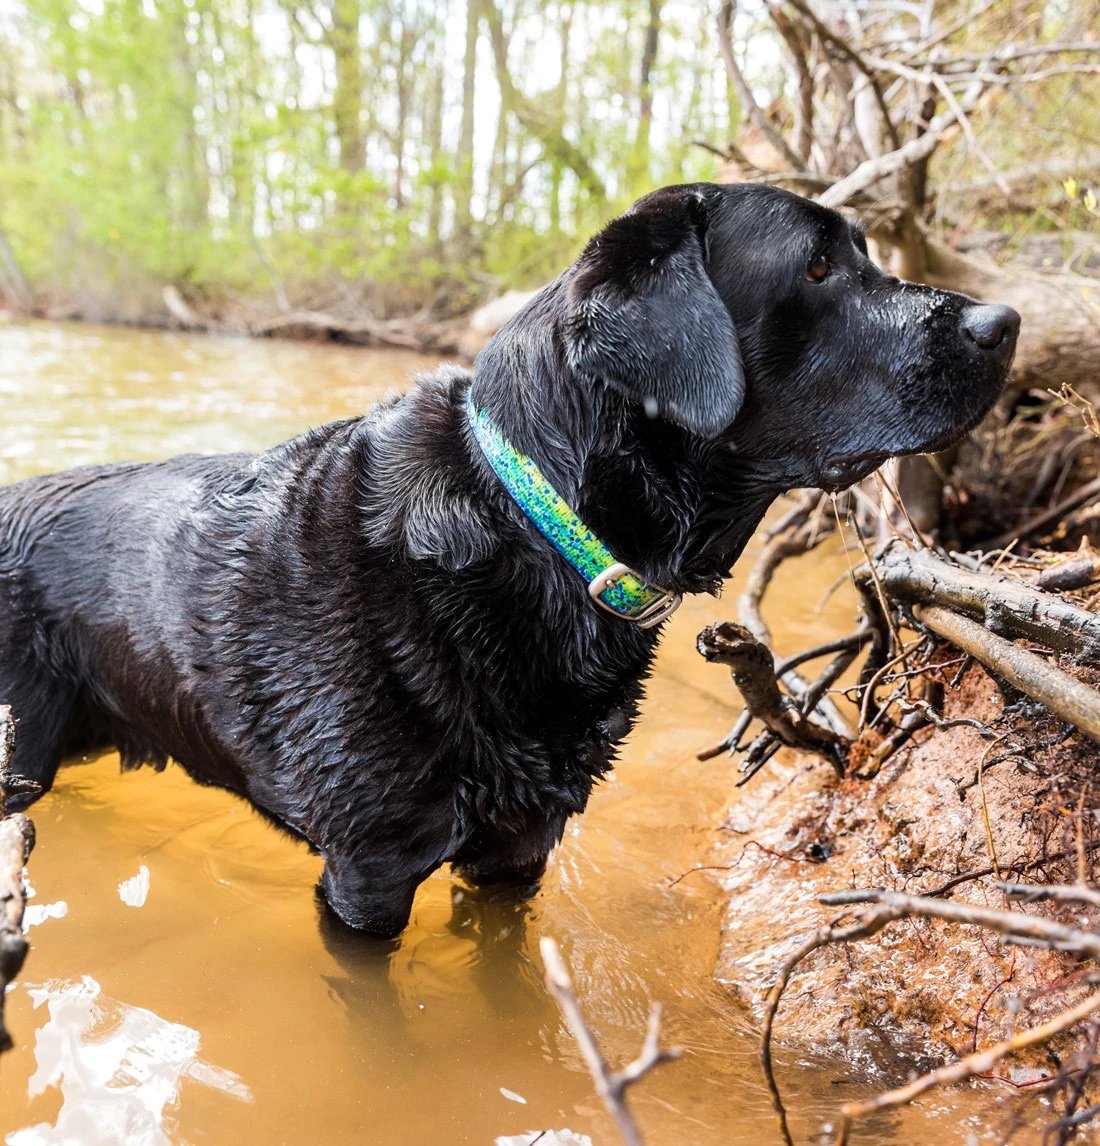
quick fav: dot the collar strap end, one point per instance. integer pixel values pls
(653, 612)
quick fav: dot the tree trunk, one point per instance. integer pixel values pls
(347, 99)
(638, 174)
(464, 181)
(13, 282)
(404, 92)
(544, 125)
(1060, 334)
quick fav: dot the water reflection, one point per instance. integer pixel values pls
(118, 1068)
(135, 890)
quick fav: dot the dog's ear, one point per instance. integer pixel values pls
(643, 315)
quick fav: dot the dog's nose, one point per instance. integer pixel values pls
(992, 327)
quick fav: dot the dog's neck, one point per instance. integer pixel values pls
(671, 505)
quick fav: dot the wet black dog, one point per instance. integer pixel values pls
(361, 632)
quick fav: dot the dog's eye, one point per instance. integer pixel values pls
(818, 269)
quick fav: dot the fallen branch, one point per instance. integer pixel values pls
(1061, 693)
(1056, 513)
(396, 332)
(16, 842)
(847, 647)
(973, 1064)
(799, 531)
(889, 907)
(1005, 605)
(611, 1085)
(1015, 926)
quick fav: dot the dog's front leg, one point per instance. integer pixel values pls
(374, 896)
(515, 862)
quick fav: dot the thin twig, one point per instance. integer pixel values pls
(611, 1085)
(871, 923)
(1066, 893)
(973, 1064)
(1014, 925)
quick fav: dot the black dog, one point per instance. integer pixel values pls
(360, 630)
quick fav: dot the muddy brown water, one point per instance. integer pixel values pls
(182, 985)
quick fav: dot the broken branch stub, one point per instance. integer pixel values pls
(16, 842)
(752, 667)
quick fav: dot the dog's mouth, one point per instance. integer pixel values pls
(841, 473)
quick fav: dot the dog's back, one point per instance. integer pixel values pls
(89, 605)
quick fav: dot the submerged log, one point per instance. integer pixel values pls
(16, 842)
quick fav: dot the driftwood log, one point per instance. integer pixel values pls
(16, 842)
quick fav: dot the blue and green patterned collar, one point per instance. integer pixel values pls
(612, 585)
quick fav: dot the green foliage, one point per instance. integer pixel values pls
(235, 147)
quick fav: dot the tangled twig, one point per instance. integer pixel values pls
(887, 907)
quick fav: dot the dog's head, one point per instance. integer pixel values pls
(754, 318)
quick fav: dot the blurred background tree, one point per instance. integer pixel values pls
(381, 158)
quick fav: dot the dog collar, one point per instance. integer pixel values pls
(615, 587)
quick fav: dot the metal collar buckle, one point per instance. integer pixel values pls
(653, 614)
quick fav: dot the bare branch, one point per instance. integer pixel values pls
(1015, 926)
(1061, 693)
(1034, 892)
(852, 56)
(752, 667)
(909, 154)
(1079, 496)
(974, 1064)
(744, 92)
(611, 1085)
(871, 923)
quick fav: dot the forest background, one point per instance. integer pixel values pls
(413, 157)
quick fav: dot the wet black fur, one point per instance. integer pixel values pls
(359, 631)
